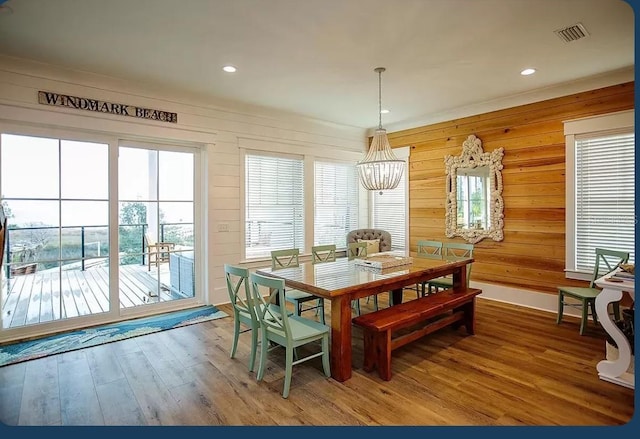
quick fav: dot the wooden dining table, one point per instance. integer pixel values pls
(344, 280)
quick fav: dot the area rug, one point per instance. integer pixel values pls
(70, 341)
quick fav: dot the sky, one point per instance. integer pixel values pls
(30, 166)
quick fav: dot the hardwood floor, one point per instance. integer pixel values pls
(519, 369)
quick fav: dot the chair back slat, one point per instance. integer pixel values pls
(285, 258)
(323, 253)
(429, 249)
(455, 251)
(611, 259)
(266, 305)
(356, 249)
(238, 288)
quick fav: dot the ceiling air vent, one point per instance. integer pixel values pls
(572, 33)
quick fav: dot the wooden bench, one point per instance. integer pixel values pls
(438, 310)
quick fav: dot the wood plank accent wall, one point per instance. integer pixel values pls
(532, 254)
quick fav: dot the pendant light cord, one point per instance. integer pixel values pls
(379, 70)
(379, 98)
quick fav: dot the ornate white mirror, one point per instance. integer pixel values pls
(474, 206)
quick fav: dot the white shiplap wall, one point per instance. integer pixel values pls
(219, 129)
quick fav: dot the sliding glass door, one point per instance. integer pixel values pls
(55, 196)
(156, 230)
(97, 229)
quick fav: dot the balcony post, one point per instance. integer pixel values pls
(82, 245)
(8, 244)
(144, 226)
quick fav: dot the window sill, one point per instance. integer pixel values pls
(578, 275)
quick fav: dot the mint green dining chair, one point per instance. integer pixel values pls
(429, 250)
(280, 329)
(291, 258)
(606, 261)
(354, 250)
(319, 255)
(452, 251)
(323, 253)
(243, 313)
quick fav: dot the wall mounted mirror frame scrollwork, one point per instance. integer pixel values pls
(474, 205)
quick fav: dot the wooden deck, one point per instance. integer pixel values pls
(37, 298)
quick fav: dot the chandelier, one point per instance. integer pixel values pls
(380, 169)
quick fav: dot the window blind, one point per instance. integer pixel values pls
(605, 211)
(336, 202)
(389, 213)
(274, 209)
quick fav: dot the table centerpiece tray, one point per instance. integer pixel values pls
(382, 260)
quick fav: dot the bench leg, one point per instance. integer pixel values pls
(369, 352)
(383, 354)
(377, 353)
(470, 316)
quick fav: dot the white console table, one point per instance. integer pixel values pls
(614, 371)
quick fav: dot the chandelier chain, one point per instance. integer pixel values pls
(379, 70)
(379, 98)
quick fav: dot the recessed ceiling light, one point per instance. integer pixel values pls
(229, 69)
(526, 72)
(384, 111)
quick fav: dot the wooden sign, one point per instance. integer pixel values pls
(60, 100)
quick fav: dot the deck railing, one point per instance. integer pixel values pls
(29, 262)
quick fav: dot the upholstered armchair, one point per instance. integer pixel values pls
(371, 234)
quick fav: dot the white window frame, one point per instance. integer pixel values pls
(244, 195)
(358, 189)
(310, 154)
(402, 154)
(609, 123)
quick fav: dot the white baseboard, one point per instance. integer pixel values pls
(516, 296)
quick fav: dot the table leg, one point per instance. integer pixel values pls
(396, 297)
(614, 371)
(341, 354)
(460, 278)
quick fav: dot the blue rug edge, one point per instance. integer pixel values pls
(163, 322)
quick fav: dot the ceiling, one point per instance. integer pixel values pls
(316, 58)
